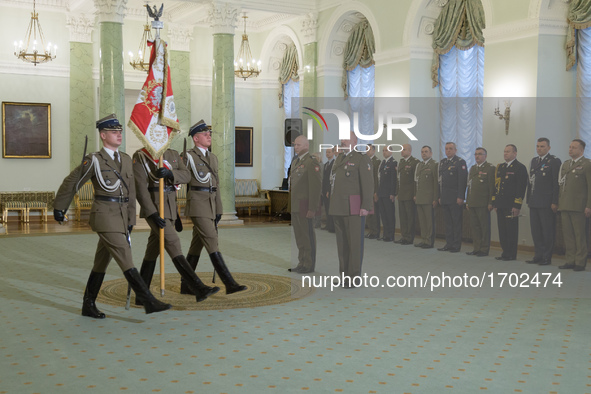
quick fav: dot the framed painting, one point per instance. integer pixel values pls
(243, 146)
(26, 130)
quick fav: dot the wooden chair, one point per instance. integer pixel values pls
(83, 199)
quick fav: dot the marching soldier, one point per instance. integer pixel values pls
(406, 193)
(481, 188)
(386, 194)
(305, 182)
(204, 207)
(373, 219)
(330, 156)
(574, 204)
(511, 182)
(426, 178)
(452, 178)
(542, 199)
(112, 215)
(147, 178)
(350, 202)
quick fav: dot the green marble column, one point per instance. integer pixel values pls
(222, 118)
(82, 115)
(181, 88)
(310, 88)
(111, 80)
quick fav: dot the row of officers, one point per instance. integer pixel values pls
(356, 186)
(118, 180)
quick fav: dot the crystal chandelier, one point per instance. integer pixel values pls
(139, 61)
(35, 50)
(244, 65)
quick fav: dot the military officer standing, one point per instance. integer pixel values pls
(373, 219)
(147, 179)
(452, 181)
(330, 156)
(387, 179)
(481, 188)
(426, 196)
(112, 215)
(406, 192)
(542, 199)
(204, 206)
(305, 182)
(574, 204)
(511, 182)
(350, 202)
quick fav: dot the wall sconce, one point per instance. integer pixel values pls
(506, 115)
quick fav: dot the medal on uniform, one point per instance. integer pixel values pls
(201, 174)
(108, 181)
(345, 166)
(347, 173)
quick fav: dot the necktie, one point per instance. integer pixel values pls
(117, 161)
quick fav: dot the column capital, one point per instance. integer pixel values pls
(223, 17)
(110, 10)
(80, 26)
(309, 27)
(179, 37)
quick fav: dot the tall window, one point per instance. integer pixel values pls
(289, 94)
(584, 85)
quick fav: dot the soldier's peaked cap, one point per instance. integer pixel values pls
(198, 127)
(109, 122)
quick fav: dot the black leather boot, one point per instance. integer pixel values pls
(146, 272)
(95, 280)
(192, 260)
(224, 273)
(192, 281)
(150, 303)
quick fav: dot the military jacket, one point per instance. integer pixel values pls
(305, 183)
(427, 184)
(542, 189)
(375, 165)
(352, 175)
(146, 185)
(108, 181)
(406, 178)
(575, 185)
(387, 178)
(453, 178)
(510, 185)
(481, 185)
(326, 176)
(204, 174)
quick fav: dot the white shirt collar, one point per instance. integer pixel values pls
(203, 151)
(111, 152)
(577, 159)
(509, 162)
(480, 165)
(543, 157)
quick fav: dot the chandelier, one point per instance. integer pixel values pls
(139, 61)
(35, 50)
(244, 65)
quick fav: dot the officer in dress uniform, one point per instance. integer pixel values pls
(574, 204)
(511, 182)
(112, 215)
(373, 219)
(426, 197)
(350, 202)
(305, 182)
(330, 156)
(406, 192)
(453, 176)
(481, 188)
(542, 199)
(204, 207)
(387, 179)
(147, 179)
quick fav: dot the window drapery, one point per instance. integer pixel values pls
(288, 70)
(584, 85)
(358, 51)
(361, 92)
(579, 17)
(291, 107)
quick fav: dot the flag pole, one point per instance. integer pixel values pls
(161, 213)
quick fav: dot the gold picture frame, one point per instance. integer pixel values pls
(26, 130)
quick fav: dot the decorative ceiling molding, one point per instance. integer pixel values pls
(45, 70)
(309, 27)
(179, 37)
(553, 26)
(223, 17)
(81, 27)
(49, 5)
(391, 56)
(110, 10)
(329, 71)
(511, 31)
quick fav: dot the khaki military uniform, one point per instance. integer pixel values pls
(147, 188)
(574, 197)
(426, 177)
(113, 208)
(373, 220)
(481, 188)
(406, 192)
(306, 184)
(352, 190)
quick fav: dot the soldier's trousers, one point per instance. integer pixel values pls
(204, 235)
(427, 223)
(543, 229)
(113, 245)
(452, 218)
(575, 242)
(350, 236)
(388, 216)
(329, 219)
(172, 244)
(508, 232)
(406, 211)
(373, 221)
(303, 229)
(480, 223)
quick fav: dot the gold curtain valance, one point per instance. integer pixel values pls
(359, 51)
(288, 70)
(579, 17)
